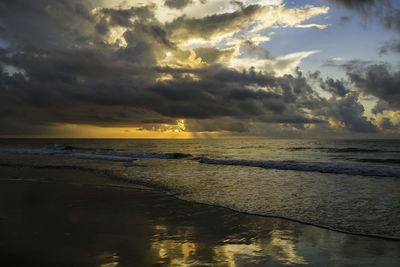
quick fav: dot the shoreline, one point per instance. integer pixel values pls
(90, 210)
(116, 181)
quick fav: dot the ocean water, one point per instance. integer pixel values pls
(345, 185)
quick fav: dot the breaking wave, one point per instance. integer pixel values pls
(340, 150)
(380, 167)
(141, 155)
(337, 168)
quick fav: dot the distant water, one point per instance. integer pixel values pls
(351, 186)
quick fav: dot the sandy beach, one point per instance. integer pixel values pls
(199, 133)
(69, 217)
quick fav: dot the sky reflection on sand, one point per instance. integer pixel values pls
(175, 250)
(50, 222)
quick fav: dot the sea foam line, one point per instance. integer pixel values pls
(337, 168)
(172, 193)
(362, 169)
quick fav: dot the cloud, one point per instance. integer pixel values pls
(213, 55)
(81, 87)
(123, 66)
(359, 5)
(284, 64)
(379, 81)
(257, 16)
(386, 124)
(335, 87)
(385, 10)
(178, 4)
(347, 112)
(390, 46)
(109, 17)
(318, 26)
(43, 24)
(280, 66)
(184, 28)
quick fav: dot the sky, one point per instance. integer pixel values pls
(200, 68)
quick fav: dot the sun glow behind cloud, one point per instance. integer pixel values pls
(163, 131)
(232, 36)
(154, 131)
(199, 34)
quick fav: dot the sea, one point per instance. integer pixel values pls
(351, 186)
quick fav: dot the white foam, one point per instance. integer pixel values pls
(362, 169)
(338, 168)
(100, 154)
(32, 151)
(61, 153)
(140, 155)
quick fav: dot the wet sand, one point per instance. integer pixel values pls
(67, 217)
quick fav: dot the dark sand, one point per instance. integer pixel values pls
(51, 217)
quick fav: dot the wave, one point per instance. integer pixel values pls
(336, 168)
(339, 150)
(31, 151)
(77, 148)
(251, 147)
(112, 152)
(384, 161)
(56, 167)
(101, 154)
(323, 226)
(175, 194)
(299, 148)
(355, 150)
(168, 191)
(379, 167)
(341, 168)
(142, 155)
(57, 147)
(62, 153)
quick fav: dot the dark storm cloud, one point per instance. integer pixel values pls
(72, 73)
(335, 87)
(43, 23)
(222, 92)
(103, 94)
(212, 55)
(78, 86)
(386, 124)
(380, 107)
(348, 111)
(123, 17)
(373, 79)
(207, 27)
(145, 44)
(177, 4)
(379, 81)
